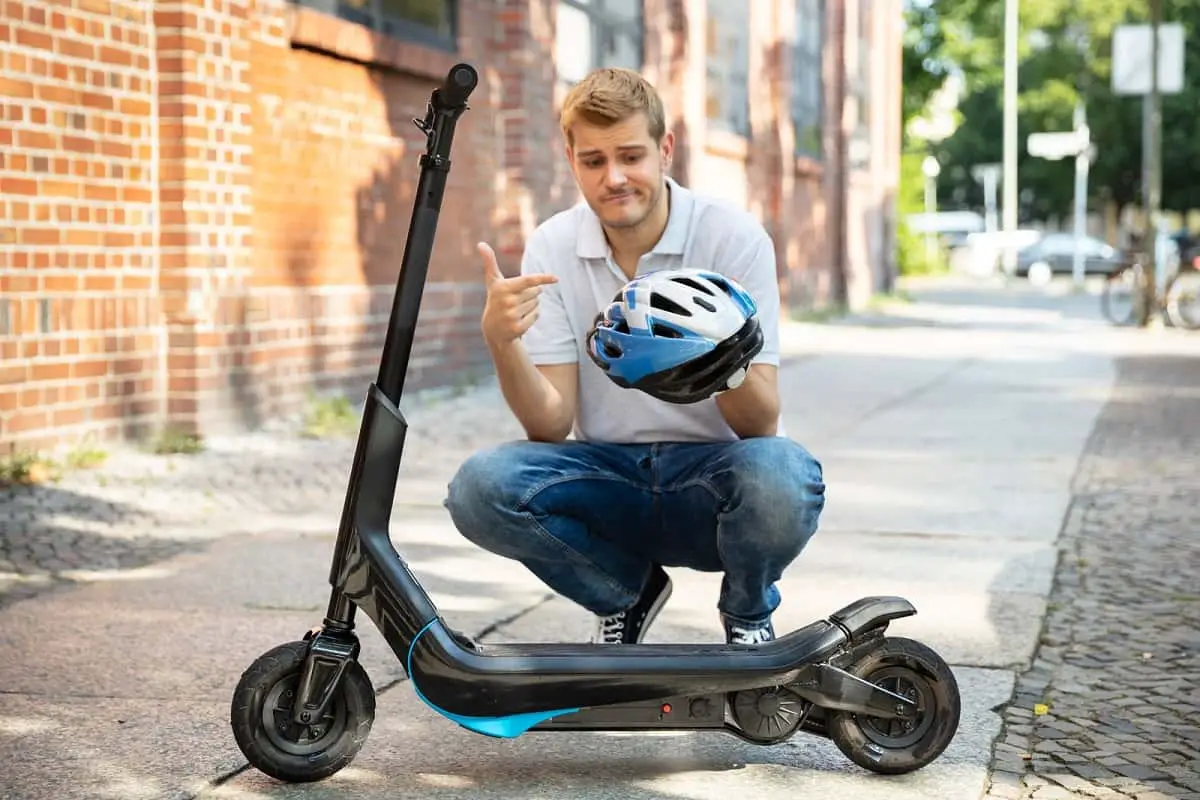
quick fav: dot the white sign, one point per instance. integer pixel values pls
(1054, 146)
(1131, 59)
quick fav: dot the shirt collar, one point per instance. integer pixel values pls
(593, 244)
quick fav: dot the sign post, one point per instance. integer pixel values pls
(1148, 61)
(989, 176)
(1076, 144)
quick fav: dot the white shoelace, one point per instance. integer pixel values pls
(748, 635)
(609, 630)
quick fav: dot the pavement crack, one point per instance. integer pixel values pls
(510, 619)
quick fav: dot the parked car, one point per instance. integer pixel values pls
(1054, 254)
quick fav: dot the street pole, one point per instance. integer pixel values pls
(1153, 187)
(989, 201)
(931, 168)
(1081, 178)
(1011, 29)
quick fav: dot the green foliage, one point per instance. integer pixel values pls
(912, 255)
(924, 66)
(1065, 55)
(172, 440)
(329, 417)
(25, 467)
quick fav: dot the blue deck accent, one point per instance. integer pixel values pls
(508, 727)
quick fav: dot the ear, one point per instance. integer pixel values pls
(667, 148)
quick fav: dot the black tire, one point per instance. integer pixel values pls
(1118, 298)
(298, 755)
(885, 746)
(1183, 300)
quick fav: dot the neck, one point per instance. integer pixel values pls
(630, 244)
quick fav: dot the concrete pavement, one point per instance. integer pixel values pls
(949, 429)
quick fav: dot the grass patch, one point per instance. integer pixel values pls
(329, 417)
(176, 441)
(26, 468)
(86, 455)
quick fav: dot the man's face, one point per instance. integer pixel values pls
(620, 169)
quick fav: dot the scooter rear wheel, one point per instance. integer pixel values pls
(261, 718)
(889, 746)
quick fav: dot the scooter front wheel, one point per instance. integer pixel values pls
(893, 746)
(261, 718)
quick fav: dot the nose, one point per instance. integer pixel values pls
(616, 176)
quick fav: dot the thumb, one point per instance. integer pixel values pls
(491, 270)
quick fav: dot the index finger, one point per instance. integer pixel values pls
(534, 279)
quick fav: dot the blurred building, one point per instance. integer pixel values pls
(204, 202)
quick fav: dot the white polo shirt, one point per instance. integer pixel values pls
(701, 233)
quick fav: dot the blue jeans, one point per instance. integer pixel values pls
(591, 519)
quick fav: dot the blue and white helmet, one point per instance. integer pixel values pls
(678, 335)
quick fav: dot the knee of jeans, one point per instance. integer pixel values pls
(783, 486)
(477, 496)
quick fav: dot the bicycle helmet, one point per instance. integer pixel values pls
(678, 335)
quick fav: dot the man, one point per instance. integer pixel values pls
(713, 486)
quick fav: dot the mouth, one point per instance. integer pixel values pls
(620, 198)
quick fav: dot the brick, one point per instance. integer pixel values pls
(239, 110)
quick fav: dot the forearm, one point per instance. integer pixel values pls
(534, 401)
(752, 409)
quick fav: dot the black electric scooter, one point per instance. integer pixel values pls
(302, 711)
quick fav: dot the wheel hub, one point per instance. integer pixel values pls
(302, 739)
(900, 733)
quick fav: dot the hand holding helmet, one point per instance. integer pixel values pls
(681, 336)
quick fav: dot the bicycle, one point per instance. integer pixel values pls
(1178, 304)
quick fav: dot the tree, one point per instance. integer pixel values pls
(925, 67)
(1065, 57)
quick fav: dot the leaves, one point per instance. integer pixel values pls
(1065, 56)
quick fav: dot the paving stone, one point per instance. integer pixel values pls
(1118, 659)
(139, 508)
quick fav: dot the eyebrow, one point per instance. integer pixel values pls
(596, 152)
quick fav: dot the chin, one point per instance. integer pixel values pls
(626, 216)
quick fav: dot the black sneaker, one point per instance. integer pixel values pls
(628, 627)
(740, 633)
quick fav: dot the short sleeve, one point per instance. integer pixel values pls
(550, 339)
(750, 260)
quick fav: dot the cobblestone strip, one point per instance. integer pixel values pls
(141, 508)
(1111, 705)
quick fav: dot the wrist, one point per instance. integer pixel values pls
(502, 349)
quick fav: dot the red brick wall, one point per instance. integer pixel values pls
(80, 350)
(211, 205)
(295, 262)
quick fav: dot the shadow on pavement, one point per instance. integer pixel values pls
(51, 537)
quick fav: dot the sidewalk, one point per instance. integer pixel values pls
(950, 432)
(1111, 704)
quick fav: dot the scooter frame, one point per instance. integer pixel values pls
(762, 693)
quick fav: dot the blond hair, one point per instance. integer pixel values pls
(610, 95)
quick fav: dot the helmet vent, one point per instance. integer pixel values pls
(707, 306)
(667, 304)
(694, 284)
(665, 331)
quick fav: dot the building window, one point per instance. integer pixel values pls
(597, 33)
(808, 96)
(431, 22)
(727, 92)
